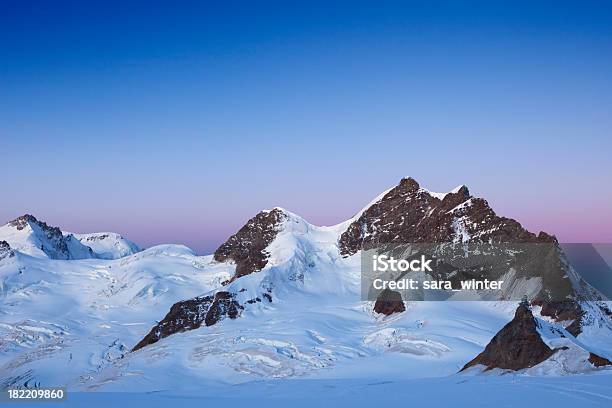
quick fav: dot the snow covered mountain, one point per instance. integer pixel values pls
(281, 298)
(292, 257)
(108, 245)
(28, 235)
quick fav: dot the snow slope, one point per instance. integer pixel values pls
(453, 391)
(63, 321)
(108, 245)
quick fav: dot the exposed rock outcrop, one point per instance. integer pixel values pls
(516, 346)
(565, 310)
(5, 250)
(410, 214)
(247, 248)
(519, 345)
(22, 222)
(599, 361)
(389, 302)
(191, 314)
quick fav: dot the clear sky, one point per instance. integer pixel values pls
(176, 123)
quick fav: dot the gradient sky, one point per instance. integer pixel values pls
(175, 124)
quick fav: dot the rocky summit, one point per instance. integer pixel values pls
(410, 214)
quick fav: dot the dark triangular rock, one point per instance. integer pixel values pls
(516, 346)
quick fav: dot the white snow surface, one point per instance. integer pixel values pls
(73, 323)
(108, 245)
(452, 391)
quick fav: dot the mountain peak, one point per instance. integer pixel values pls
(409, 213)
(29, 220)
(29, 235)
(23, 221)
(247, 247)
(409, 183)
(516, 346)
(280, 211)
(461, 190)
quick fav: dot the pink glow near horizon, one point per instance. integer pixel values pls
(204, 232)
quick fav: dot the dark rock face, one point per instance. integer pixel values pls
(516, 346)
(222, 305)
(247, 248)
(389, 302)
(5, 250)
(409, 214)
(559, 310)
(598, 361)
(22, 222)
(563, 310)
(190, 314)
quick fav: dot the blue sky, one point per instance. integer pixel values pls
(176, 123)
